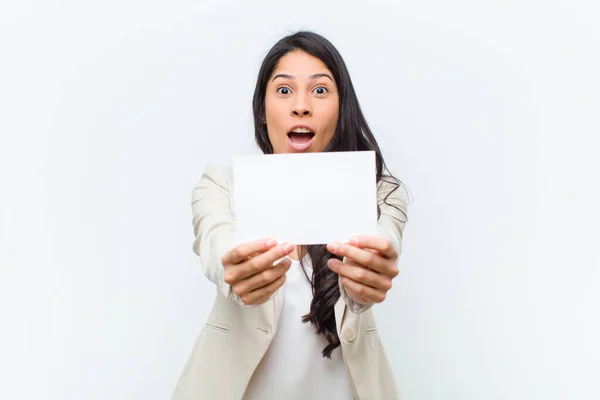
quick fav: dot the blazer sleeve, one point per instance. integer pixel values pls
(214, 226)
(390, 225)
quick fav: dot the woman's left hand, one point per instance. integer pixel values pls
(369, 267)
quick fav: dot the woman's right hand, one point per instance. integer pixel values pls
(250, 272)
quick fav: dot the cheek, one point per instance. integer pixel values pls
(269, 109)
(331, 114)
(273, 117)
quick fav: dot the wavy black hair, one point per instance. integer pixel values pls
(352, 134)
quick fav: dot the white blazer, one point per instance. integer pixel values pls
(235, 337)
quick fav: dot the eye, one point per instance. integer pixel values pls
(283, 90)
(320, 90)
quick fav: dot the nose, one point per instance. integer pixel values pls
(301, 107)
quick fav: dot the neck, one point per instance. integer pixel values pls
(295, 255)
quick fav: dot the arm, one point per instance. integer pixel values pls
(390, 225)
(214, 228)
(214, 224)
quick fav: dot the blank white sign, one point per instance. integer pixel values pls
(307, 198)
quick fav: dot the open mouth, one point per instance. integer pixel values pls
(300, 139)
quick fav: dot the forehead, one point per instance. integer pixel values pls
(300, 64)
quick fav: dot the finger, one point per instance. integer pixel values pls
(261, 262)
(241, 252)
(262, 278)
(253, 255)
(381, 244)
(264, 299)
(361, 275)
(350, 261)
(366, 292)
(259, 296)
(356, 297)
(365, 258)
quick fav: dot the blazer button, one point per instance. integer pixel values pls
(349, 335)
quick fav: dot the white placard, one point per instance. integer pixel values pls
(307, 198)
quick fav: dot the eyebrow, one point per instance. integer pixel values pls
(315, 76)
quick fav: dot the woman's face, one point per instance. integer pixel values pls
(301, 104)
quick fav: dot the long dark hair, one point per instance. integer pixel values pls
(352, 134)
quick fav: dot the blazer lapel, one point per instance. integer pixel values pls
(277, 307)
(339, 310)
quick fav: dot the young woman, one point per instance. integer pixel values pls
(313, 337)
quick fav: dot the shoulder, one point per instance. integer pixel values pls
(220, 175)
(215, 179)
(391, 191)
(220, 171)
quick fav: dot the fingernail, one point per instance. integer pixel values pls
(334, 246)
(288, 246)
(353, 241)
(271, 242)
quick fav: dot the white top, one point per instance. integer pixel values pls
(293, 367)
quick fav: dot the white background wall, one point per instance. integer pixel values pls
(488, 111)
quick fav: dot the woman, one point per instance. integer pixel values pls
(314, 337)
